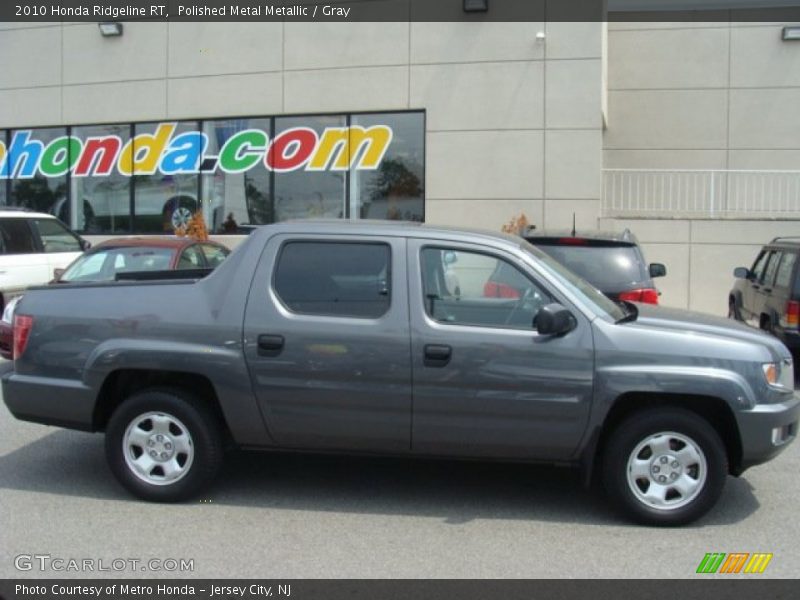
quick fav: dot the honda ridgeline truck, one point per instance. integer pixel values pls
(381, 338)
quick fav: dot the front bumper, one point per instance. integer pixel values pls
(767, 429)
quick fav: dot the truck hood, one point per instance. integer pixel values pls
(675, 319)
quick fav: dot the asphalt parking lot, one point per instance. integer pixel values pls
(302, 516)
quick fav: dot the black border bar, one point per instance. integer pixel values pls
(341, 11)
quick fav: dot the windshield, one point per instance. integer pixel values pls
(609, 268)
(103, 265)
(596, 300)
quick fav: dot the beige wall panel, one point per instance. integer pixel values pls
(667, 119)
(711, 277)
(224, 48)
(573, 40)
(782, 160)
(656, 25)
(7, 25)
(459, 164)
(765, 118)
(114, 102)
(471, 42)
(760, 58)
(91, 58)
(664, 159)
(193, 97)
(558, 214)
(323, 45)
(573, 162)
(30, 107)
(651, 231)
(39, 66)
(483, 214)
(668, 58)
(480, 95)
(371, 88)
(573, 93)
(741, 232)
(674, 287)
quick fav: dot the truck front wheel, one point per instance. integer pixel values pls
(664, 466)
(163, 445)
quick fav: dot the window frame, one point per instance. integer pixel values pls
(497, 256)
(314, 240)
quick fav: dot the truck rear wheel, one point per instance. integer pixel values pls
(163, 445)
(664, 466)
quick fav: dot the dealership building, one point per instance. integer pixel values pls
(685, 132)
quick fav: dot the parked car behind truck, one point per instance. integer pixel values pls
(347, 337)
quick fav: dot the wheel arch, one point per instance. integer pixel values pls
(716, 411)
(123, 383)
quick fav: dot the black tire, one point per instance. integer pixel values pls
(644, 426)
(180, 411)
(733, 313)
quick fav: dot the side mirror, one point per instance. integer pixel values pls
(657, 270)
(57, 273)
(450, 257)
(741, 273)
(85, 244)
(554, 319)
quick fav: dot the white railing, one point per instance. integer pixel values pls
(718, 193)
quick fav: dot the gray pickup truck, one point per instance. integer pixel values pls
(394, 339)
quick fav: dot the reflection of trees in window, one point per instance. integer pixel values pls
(400, 187)
(36, 194)
(258, 206)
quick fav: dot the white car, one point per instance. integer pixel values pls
(32, 246)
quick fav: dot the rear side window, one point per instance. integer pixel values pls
(16, 237)
(783, 279)
(334, 278)
(772, 266)
(56, 237)
(214, 255)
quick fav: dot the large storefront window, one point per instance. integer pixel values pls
(237, 195)
(99, 203)
(165, 196)
(305, 193)
(38, 174)
(396, 189)
(153, 177)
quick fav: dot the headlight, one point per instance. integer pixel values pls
(780, 375)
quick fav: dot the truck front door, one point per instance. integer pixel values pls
(326, 338)
(485, 382)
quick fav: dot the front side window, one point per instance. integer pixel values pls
(191, 258)
(471, 288)
(758, 266)
(55, 237)
(334, 278)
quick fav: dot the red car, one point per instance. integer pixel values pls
(112, 258)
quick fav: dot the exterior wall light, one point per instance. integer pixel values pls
(791, 34)
(476, 5)
(110, 29)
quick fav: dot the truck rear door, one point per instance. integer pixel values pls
(327, 342)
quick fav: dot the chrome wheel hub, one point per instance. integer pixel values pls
(181, 217)
(666, 470)
(158, 448)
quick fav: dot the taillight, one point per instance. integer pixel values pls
(792, 314)
(646, 295)
(499, 290)
(22, 330)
